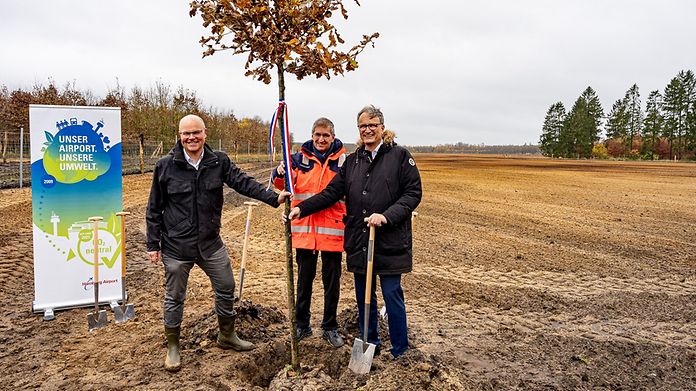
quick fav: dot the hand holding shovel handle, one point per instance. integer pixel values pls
(251, 206)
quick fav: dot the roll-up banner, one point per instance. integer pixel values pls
(75, 174)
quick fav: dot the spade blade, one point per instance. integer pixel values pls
(96, 320)
(130, 312)
(361, 357)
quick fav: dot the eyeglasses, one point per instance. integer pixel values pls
(194, 133)
(371, 126)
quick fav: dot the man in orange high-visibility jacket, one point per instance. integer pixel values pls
(312, 169)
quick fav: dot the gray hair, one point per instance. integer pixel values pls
(324, 122)
(371, 112)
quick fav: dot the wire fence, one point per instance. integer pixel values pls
(136, 158)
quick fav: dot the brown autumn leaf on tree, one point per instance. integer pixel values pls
(293, 35)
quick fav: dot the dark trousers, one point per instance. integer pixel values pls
(331, 278)
(176, 274)
(396, 311)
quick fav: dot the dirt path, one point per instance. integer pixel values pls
(529, 274)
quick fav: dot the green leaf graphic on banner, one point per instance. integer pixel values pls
(49, 137)
(113, 225)
(71, 255)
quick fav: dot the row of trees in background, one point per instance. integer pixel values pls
(152, 112)
(665, 129)
(526, 149)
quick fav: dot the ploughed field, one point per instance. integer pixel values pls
(528, 273)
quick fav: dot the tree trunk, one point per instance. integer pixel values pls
(294, 348)
(4, 149)
(652, 147)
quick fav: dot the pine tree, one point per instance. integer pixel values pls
(595, 111)
(596, 114)
(551, 131)
(617, 122)
(576, 139)
(675, 109)
(689, 83)
(634, 115)
(652, 125)
(582, 126)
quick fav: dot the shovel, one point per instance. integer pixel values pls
(244, 248)
(96, 319)
(363, 351)
(124, 312)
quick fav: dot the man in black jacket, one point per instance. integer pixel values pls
(382, 187)
(183, 228)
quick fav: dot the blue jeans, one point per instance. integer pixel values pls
(396, 311)
(176, 274)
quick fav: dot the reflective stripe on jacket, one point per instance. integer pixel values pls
(321, 231)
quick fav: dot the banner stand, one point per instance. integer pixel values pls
(48, 314)
(76, 172)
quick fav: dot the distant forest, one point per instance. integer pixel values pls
(665, 128)
(152, 112)
(478, 149)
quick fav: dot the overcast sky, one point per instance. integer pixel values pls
(442, 71)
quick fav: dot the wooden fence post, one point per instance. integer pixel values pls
(21, 157)
(142, 161)
(4, 149)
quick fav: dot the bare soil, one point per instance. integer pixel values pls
(529, 274)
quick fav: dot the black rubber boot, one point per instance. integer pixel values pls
(172, 362)
(227, 337)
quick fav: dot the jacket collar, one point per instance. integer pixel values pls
(335, 150)
(209, 157)
(364, 154)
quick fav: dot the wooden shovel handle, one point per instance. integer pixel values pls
(247, 229)
(368, 282)
(370, 259)
(95, 235)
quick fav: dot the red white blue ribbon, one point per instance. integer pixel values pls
(271, 136)
(285, 141)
